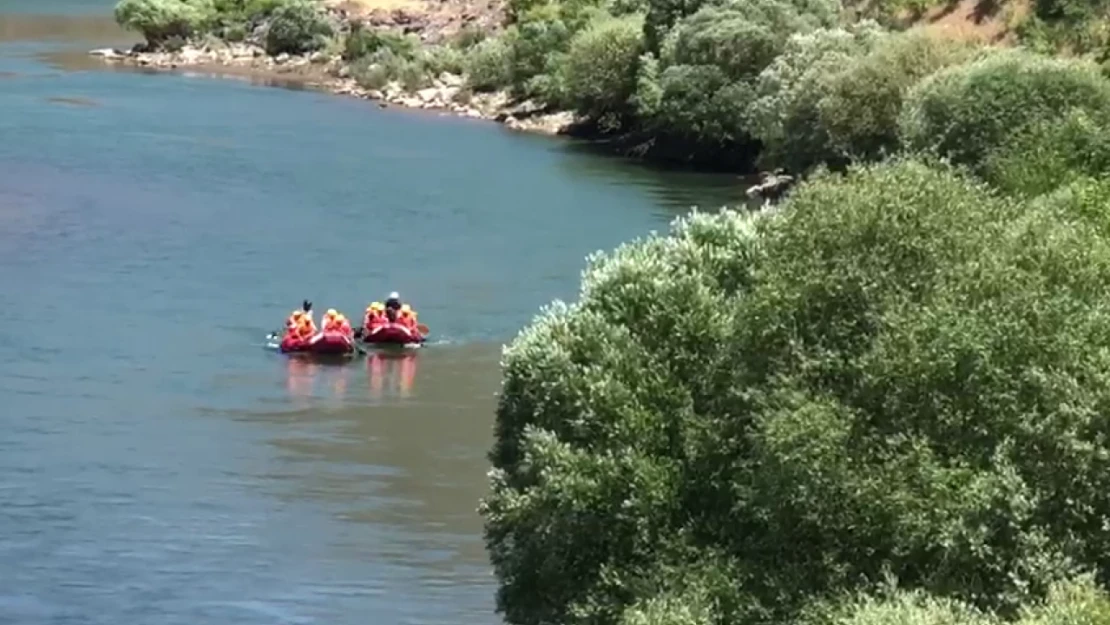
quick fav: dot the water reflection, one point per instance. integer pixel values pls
(393, 445)
(387, 376)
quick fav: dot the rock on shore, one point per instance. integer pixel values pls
(330, 73)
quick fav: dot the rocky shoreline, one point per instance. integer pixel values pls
(330, 73)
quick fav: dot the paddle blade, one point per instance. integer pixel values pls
(422, 329)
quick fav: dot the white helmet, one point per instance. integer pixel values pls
(394, 295)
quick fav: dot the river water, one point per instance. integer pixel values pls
(157, 464)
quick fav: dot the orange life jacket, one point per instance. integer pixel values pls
(407, 319)
(307, 328)
(373, 319)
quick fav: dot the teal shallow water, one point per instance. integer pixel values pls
(159, 465)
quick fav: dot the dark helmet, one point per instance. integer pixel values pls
(393, 302)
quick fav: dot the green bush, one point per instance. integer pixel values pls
(966, 111)
(897, 373)
(297, 27)
(488, 65)
(235, 33)
(1075, 602)
(439, 59)
(371, 73)
(860, 105)
(697, 89)
(901, 608)
(785, 115)
(725, 38)
(536, 47)
(601, 65)
(159, 20)
(382, 67)
(364, 41)
(539, 40)
(468, 36)
(1049, 154)
(740, 37)
(1085, 199)
(698, 103)
(235, 20)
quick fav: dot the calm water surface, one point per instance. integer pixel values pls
(158, 465)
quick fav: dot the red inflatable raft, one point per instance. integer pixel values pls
(321, 343)
(392, 334)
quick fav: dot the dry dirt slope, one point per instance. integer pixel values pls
(432, 19)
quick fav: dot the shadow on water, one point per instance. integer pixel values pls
(677, 187)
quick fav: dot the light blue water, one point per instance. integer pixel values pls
(159, 466)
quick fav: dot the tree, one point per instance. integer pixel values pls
(896, 373)
(965, 111)
(599, 72)
(296, 27)
(159, 20)
(786, 114)
(859, 109)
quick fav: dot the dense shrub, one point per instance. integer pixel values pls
(699, 86)
(297, 27)
(742, 36)
(364, 41)
(896, 374)
(786, 114)
(696, 102)
(158, 20)
(725, 38)
(966, 111)
(599, 72)
(536, 46)
(860, 104)
(1050, 154)
(1075, 602)
(383, 66)
(488, 64)
(234, 19)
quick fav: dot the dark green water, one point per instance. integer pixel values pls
(158, 465)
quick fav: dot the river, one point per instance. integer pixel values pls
(159, 466)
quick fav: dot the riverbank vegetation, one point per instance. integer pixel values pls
(732, 84)
(882, 401)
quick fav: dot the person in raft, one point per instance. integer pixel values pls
(334, 321)
(396, 312)
(407, 317)
(393, 302)
(300, 325)
(307, 327)
(375, 316)
(293, 323)
(343, 325)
